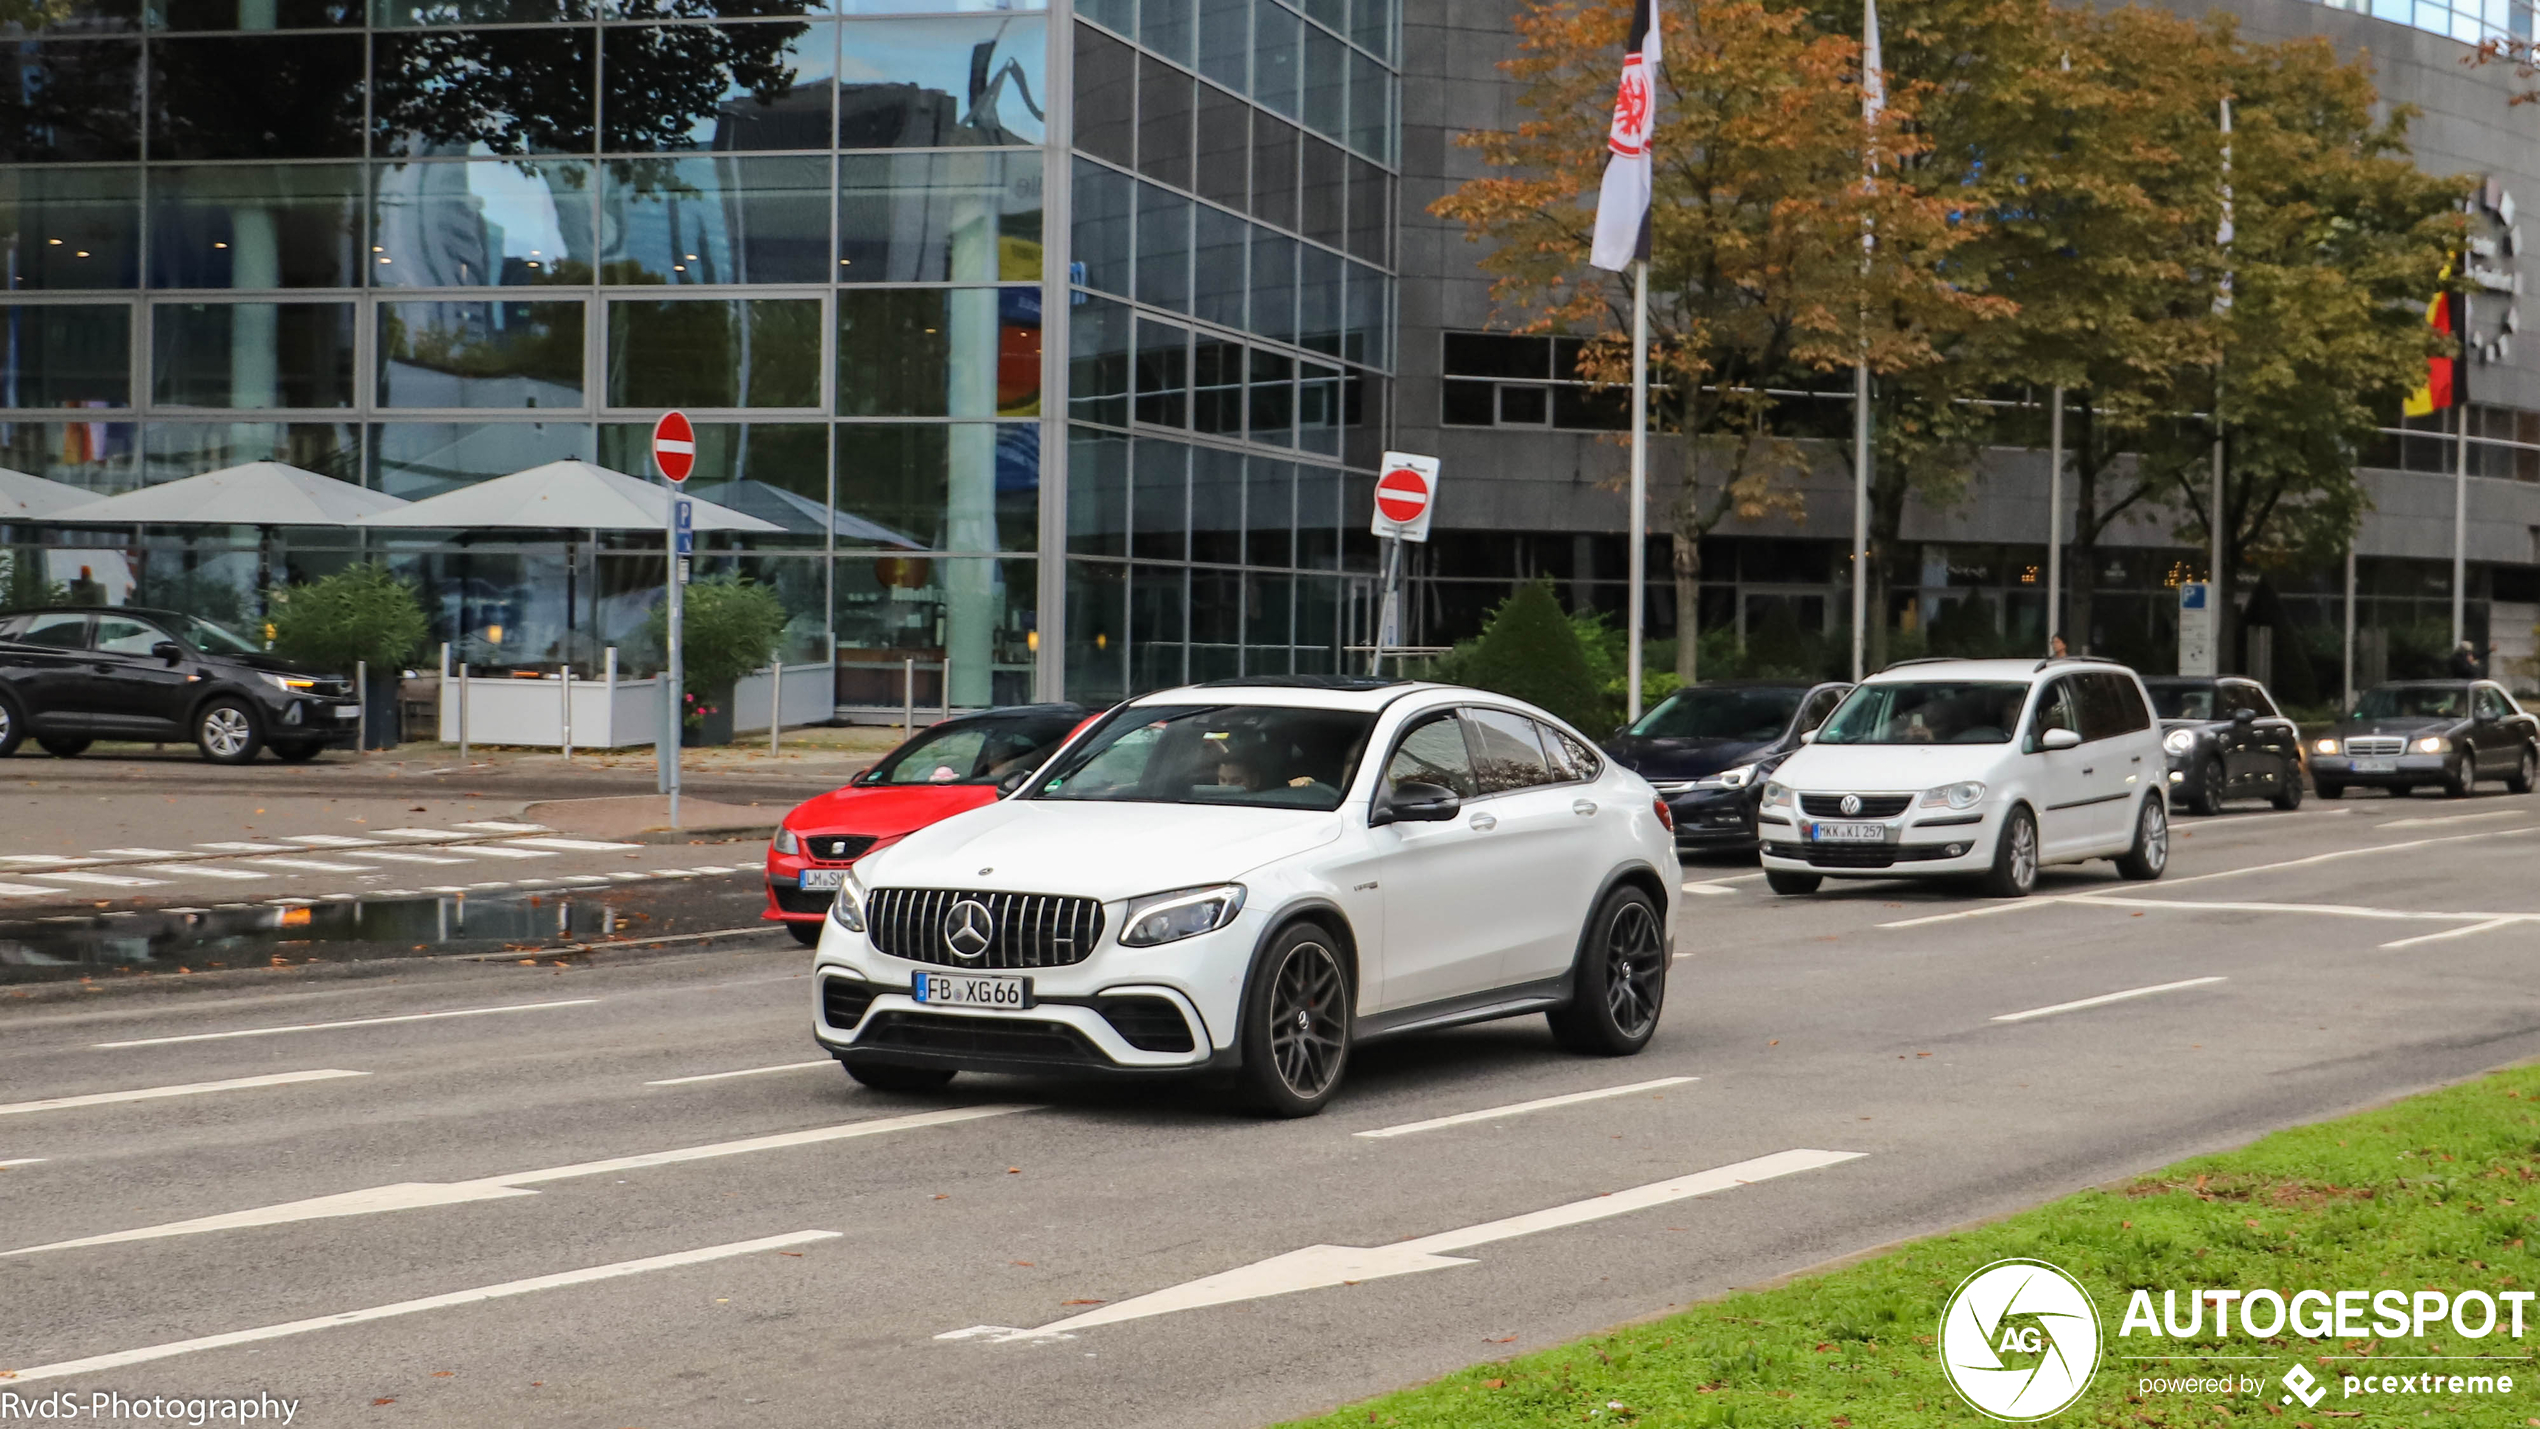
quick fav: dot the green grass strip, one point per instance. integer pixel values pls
(2435, 1192)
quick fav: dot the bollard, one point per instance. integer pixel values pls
(948, 687)
(908, 698)
(775, 701)
(361, 720)
(564, 682)
(462, 712)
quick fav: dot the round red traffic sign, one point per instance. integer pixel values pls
(675, 446)
(1402, 494)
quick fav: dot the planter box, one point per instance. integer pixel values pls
(611, 713)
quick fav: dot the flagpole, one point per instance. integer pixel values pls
(1873, 101)
(1639, 559)
(2054, 519)
(2216, 596)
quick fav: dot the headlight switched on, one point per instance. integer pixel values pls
(2433, 744)
(2325, 746)
(1180, 913)
(2179, 741)
(294, 684)
(785, 842)
(1965, 794)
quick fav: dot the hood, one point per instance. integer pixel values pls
(1098, 850)
(274, 663)
(1657, 759)
(1888, 768)
(888, 809)
(2409, 724)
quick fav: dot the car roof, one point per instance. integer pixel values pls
(1756, 683)
(151, 612)
(1368, 696)
(1049, 711)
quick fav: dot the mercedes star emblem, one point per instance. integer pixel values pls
(1851, 803)
(968, 927)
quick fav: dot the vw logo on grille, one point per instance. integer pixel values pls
(968, 927)
(1851, 804)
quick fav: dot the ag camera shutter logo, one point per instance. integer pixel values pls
(2019, 1340)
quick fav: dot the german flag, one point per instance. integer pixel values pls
(2445, 384)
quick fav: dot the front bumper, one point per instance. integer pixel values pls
(319, 720)
(1938, 842)
(1713, 818)
(2407, 769)
(786, 900)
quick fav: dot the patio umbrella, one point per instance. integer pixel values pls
(806, 515)
(259, 493)
(32, 498)
(560, 496)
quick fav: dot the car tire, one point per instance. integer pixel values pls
(1619, 986)
(807, 934)
(63, 748)
(12, 729)
(2150, 855)
(2525, 776)
(2288, 787)
(1793, 884)
(2205, 795)
(1296, 1023)
(296, 753)
(2014, 871)
(895, 1077)
(2330, 789)
(2459, 782)
(226, 732)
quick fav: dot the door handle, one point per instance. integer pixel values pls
(2089, 769)
(1484, 822)
(1583, 806)
(2138, 759)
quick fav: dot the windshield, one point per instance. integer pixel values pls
(1927, 712)
(979, 753)
(2183, 701)
(1751, 716)
(1262, 755)
(213, 640)
(2414, 702)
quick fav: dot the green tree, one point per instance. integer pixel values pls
(361, 613)
(728, 627)
(1529, 651)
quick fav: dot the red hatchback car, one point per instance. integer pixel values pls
(947, 768)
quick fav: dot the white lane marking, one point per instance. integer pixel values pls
(49, 860)
(143, 852)
(356, 1022)
(497, 826)
(1317, 1266)
(490, 883)
(233, 846)
(102, 880)
(2335, 910)
(201, 870)
(2489, 926)
(1731, 878)
(626, 876)
(585, 1276)
(315, 865)
(715, 868)
(2234, 820)
(423, 833)
(2076, 1006)
(2371, 851)
(1712, 890)
(1519, 1108)
(23, 1161)
(390, 855)
(572, 845)
(416, 1195)
(22, 890)
(290, 902)
(1985, 910)
(329, 841)
(497, 851)
(186, 1089)
(2432, 820)
(744, 1072)
(583, 879)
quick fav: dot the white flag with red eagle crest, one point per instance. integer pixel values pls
(1622, 206)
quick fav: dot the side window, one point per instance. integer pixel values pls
(1570, 759)
(2054, 711)
(1433, 753)
(1820, 705)
(59, 632)
(2138, 715)
(122, 635)
(1506, 755)
(2491, 704)
(2103, 702)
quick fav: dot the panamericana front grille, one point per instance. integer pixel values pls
(838, 848)
(1873, 806)
(2376, 745)
(843, 1002)
(1027, 930)
(1150, 1024)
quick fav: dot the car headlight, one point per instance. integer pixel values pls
(2179, 741)
(848, 906)
(1181, 913)
(2433, 744)
(785, 842)
(1776, 795)
(1737, 778)
(2325, 746)
(1961, 795)
(292, 684)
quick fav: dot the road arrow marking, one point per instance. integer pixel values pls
(1319, 1266)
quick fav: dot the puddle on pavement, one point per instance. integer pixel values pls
(59, 948)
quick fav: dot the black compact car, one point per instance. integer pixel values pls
(2412, 732)
(1707, 748)
(2226, 740)
(70, 676)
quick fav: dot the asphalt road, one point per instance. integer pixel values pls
(2331, 958)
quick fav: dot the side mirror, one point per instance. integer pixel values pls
(167, 650)
(1619, 731)
(1808, 736)
(2059, 739)
(2244, 715)
(1014, 779)
(1416, 803)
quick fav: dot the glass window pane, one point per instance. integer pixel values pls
(1164, 26)
(1165, 100)
(1098, 364)
(256, 97)
(1225, 42)
(260, 226)
(489, 223)
(1106, 97)
(1103, 200)
(970, 486)
(1097, 633)
(1274, 160)
(480, 354)
(1370, 115)
(683, 221)
(75, 17)
(413, 460)
(1273, 285)
(70, 228)
(1218, 267)
(947, 81)
(94, 456)
(454, 92)
(252, 354)
(1326, 84)
(1217, 387)
(1225, 148)
(934, 352)
(771, 86)
(1364, 327)
(776, 471)
(1269, 512)
(979, 613)
(1318, 516)
(1322, 215)
(1278, 43)
(1160, 503)
(1157, 599)
(1273, 398)
(1318, 408)
(1267, 625)
(1331, 13)
(1164, 248)
(1371, 25)
(1217, 496)
(1370, 215)
(1217, 605)
(1097, 496)
(69, 100)
(174, 450)
(1318, 287)
(67, 356)
(477, 12)
(230, 15)
(1163, 374)
(963, 217)
(762, 352)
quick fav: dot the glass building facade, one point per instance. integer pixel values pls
(1058, 344)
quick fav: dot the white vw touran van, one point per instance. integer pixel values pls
(1987, 768)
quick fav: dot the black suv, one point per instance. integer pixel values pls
(2226, 740)
(70, 676)
(1706, 749)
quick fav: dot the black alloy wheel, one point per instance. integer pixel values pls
(63, 746)
(2205, 791)
(1620, 983)
(2288, 786)
(2525, 776)
(893, 1077)
(12, 729)
(1296, 1023)
(2014, 871)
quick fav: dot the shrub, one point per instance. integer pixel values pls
(1529, 651)
(728, 625)
(359, 613)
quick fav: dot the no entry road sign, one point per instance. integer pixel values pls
(675, 446)
(1406, 493)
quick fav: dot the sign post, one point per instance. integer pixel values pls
(1406, 493)
(675, 453)
(2195, 628)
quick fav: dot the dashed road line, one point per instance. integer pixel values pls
(744, 1072)
(497, 826)
(102, 880)
(2491, 925)
(239, 846)
(1516, 1108)
(330, 841)
(2432, 820)
(315, 865)
(391, 855)
(203, 870)
(353, 1022)
(2105, 998)
(573, 845)
(22, 1161)
(183, 1089)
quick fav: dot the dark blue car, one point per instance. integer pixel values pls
(1707, 748)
